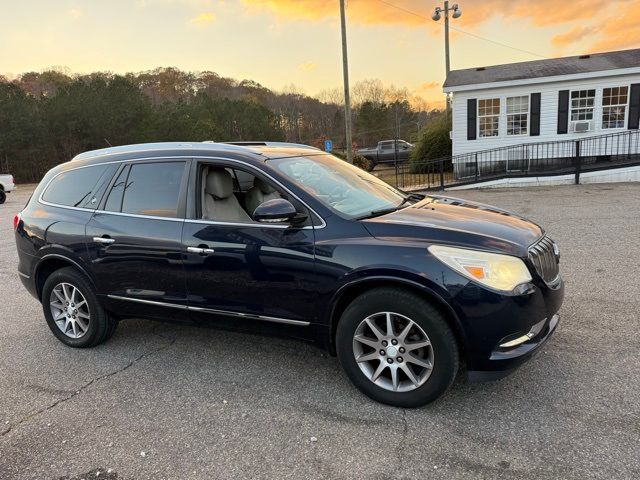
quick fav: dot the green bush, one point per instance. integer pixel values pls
(434, 143)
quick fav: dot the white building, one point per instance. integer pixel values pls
(544, 101)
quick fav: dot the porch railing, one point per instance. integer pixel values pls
(524, 160)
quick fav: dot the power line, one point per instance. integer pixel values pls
(495, 42)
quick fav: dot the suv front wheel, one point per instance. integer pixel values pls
(397, 348)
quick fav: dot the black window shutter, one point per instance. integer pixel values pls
(634, 107)
(472, 114)
(563, 111)
(534, 130)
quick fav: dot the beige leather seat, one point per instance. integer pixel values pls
(258, 194)
(220, 204)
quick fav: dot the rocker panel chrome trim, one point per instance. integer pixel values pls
(212, 311)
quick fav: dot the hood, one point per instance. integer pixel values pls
(458, 222)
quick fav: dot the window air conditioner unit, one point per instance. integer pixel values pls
(582, 126)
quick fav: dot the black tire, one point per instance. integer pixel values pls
(3, 196)
(370, 165)
(101, 324)
(445, 349)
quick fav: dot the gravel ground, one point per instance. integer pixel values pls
(162, 401)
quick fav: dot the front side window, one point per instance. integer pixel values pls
(582, 102)
(614, 106)
(150, 189)
(517, 115)
(339, 185)
(233, 195)
(74, 188)
(489, 117)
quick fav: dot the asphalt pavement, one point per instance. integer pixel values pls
(160, 401)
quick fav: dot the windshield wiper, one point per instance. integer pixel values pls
(384, 211)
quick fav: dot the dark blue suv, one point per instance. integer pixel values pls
(286, 239)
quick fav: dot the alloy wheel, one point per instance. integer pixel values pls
(70, 310)
(393, 351)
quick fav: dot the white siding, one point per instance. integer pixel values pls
(548, 112)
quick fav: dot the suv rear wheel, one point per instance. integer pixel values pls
(397, 348)
(73, 312)
(3, 196)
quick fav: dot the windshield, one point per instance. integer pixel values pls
(339, 185)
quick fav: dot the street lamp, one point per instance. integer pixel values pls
(456, 12)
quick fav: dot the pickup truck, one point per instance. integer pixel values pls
(6, 185)
(385, 153)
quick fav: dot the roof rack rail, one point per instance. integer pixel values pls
(270, 144)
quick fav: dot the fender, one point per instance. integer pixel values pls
(393, 278)
(63, 254)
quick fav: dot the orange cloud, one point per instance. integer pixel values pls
(620, 31)
(361, 11)
(574, 35)
(203, 19)
(417, 12)
(596, 16)
(307, 66)
(428, 86)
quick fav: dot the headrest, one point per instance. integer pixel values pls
(264, 187)
(219, 184)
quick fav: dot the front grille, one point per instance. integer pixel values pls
(545, 259)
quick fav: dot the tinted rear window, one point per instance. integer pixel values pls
(74, 188)
(149, 189)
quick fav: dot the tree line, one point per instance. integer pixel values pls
(48, 117)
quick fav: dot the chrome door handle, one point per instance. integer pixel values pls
(200, 251)
(103, 240)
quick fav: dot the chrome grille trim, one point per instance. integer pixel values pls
(544, 260)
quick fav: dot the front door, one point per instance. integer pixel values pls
(244, 268)
(135, 241)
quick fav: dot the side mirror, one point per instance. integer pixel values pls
(277, 210)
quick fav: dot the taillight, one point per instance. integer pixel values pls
(16, 220)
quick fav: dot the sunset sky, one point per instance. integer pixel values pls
(284, 42)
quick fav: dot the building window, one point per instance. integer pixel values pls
(582, 104)
(489, 117)
(517, 115)
(614, 106)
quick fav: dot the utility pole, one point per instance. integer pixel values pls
(345, 71)
(435, 17)
(446, 41)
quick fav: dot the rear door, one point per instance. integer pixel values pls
(386, 152)
(135, 240)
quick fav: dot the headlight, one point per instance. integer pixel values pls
(501, 272)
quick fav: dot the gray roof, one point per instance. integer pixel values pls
(595, 62)
(265, 149)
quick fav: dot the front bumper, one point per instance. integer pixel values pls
(506, 360)
(500, 332)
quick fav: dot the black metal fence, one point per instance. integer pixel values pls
(525, 160)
